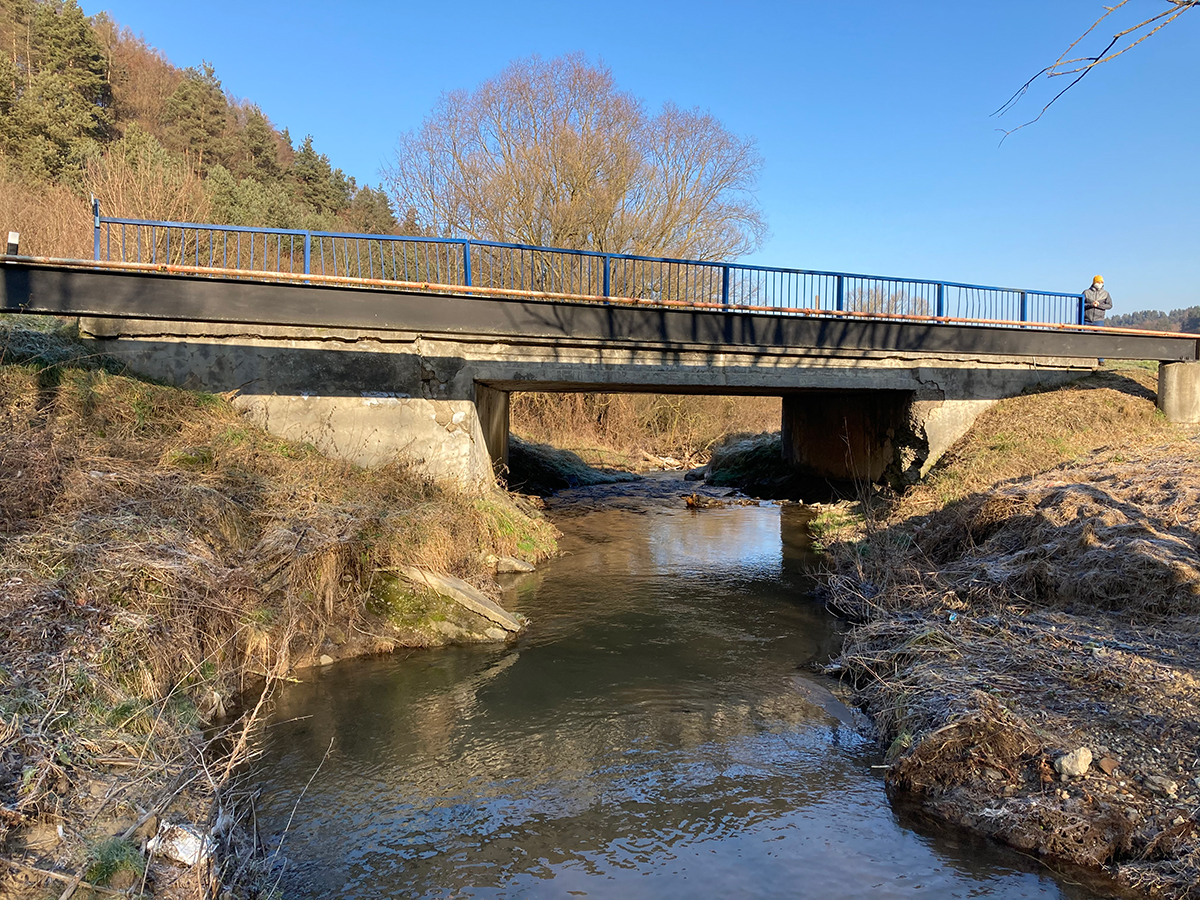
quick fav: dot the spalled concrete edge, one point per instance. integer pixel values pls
(463, 594)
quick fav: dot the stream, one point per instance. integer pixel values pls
(656, 733)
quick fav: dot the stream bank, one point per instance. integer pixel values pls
(1027, 634)
(160, 558)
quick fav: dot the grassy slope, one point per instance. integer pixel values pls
(158, 554)
(1041, 592)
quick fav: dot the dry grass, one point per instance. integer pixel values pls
(158, 556)
(1059, 608)
(618, 429)
(51, 219)
(1028, 434)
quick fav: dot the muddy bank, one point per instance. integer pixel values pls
(158, 558)
(1031, 651)
(542, 470)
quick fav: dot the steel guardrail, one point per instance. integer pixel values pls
(286, 278)
(482, 267)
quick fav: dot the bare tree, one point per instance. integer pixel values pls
(1075, 68)
(552, 153)
(136, 177)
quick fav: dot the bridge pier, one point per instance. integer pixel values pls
(369, 408)
(1179, 391)
(492, 410)
(843, 435)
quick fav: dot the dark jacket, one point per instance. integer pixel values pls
(1095, 302)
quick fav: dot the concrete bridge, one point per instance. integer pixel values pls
(368, 368)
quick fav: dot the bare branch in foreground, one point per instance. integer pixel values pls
(1079, 66)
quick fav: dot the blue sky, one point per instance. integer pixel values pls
(873, 117)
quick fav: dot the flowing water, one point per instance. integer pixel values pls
(653, 735)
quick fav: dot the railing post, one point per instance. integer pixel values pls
(607, 277)
(308, 253)
(95, 229)
(1082, 317)
(841, 293)
(941, 301)
(1024, 306)
(467, 263)
(725, 285)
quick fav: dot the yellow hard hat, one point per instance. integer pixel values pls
(1098, 278)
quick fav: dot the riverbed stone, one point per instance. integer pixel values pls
(1108, 765)
(325, 660)
(510, 565)
(1074, 764)
(1162, 785)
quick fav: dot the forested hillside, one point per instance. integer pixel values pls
(1176, 320)
(89, 108)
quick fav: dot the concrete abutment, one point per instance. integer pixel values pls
(1179, 392)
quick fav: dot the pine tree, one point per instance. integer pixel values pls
(323, 188)
(56, 101)
(196, 117)
(259, 148)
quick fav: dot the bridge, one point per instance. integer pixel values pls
(370, 346)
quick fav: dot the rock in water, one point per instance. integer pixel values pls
(819, 695)
(510, 565)
(1074, 764)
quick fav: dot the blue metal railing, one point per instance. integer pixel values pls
(578, 273)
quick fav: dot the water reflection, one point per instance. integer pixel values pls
(645, 739)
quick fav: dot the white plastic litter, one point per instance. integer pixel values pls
(182, 843)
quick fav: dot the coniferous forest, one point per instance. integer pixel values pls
(88, 108)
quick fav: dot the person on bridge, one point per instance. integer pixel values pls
(1096, 302)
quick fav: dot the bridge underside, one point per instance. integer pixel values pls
(443, 401)
(367, 375)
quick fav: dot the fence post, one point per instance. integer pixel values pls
(607, 277)
(467, 263)
(725, 285)
(941, 301)
(308, 253)
(1024, 306)
(841, 293)
(95, 229)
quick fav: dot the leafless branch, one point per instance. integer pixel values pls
(1079, 66)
